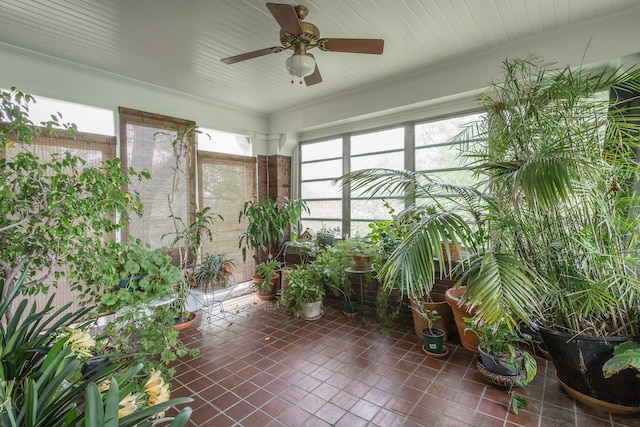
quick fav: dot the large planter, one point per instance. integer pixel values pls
(578, 361)
(440, 305)
(312, 310)
(468, 339)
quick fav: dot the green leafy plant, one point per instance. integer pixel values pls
(429, 316)
(265, 272)
(501, 340)
(41, 352)
(625, 356)
(215, 269)
(326, 232)
(267, 221)
(304, 285)
(55, 211)
(553, 232)
(332, 263)
(156, 276)
(145, 333)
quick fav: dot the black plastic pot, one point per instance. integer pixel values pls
(494, 363)
(578, 361)
(93, 365)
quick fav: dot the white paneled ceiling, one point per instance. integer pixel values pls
(178, 44)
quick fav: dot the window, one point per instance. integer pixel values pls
(223, 142)
(437, 155)
(429, 148)
(146, 144)
(226, 182)
(86, 117)
(379, 149)
(321, 163)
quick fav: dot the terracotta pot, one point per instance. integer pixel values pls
(440, 305)
(270, 292)
(360, 262)
(453, 249)
(468, 339)
(185, 325)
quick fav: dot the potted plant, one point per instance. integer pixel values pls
(267, 222)
(462, 311)
(326, 236)
(433, 337)
(138, 273)
(332, 263)
(188, 232)
(42, 379)
(557, 154)
(266, 279)
(361, 252)
(304, 293)
(214, 270)
(501, 361)
(554, 235)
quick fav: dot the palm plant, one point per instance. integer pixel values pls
(555, 228)
(557, 158)
(441, 213)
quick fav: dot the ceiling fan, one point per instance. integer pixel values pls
(300, 36)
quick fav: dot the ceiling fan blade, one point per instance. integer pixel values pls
(373, 46)
(250, 55)
(286, 16)
(313, 78)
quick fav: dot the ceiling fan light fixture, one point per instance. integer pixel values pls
(300, 64)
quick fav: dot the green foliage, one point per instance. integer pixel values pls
(326, 232)
(331, 263)
(145, 333)
(266, 270)
(304, 285)
(213, 270)
(267, 221)
(499, 339)
(55, 211)
(558, 158)
(626, 355)
(552, 225)
(39, 369)
(134, 258)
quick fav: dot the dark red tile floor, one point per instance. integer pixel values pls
(261, 368)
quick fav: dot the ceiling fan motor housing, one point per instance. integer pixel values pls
(309, 37)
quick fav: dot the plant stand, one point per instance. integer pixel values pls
(361, 274)
(209, 303)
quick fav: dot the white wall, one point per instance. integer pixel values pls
(94, 87)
